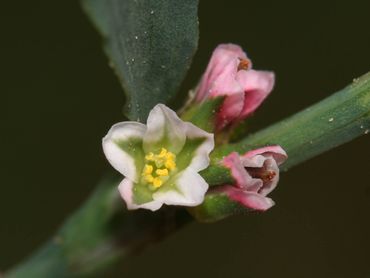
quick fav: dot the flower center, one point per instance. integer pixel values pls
(158, 168)
(263, 174)
(243, 64)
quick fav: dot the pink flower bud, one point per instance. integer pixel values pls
(229, 74)
(256, 174)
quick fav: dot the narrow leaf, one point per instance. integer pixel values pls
(150, 44)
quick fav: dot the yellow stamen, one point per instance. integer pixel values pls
(170, 164)
(158, 168)
(149, 178)
(163, 153)
(157, 182)
(170, 156)
(150, 156)
(162, 172)
(148, 169)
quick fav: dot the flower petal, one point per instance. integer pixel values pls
(276, 151)
(233, 162)
(268, 158)
(243, 179)
(230, 109)
(256, 161)
(164, 129)
(248, 199)
(126, 190)
(122, 144)
(271, 166)
(257, 85)
(226, 83)
(201, 153)
(188, 189)
(219, 78)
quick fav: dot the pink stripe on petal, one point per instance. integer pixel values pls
(248, 199)
(232, 161)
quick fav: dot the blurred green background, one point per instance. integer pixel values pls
(59, 97)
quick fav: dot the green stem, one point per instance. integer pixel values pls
(333, 121)
(97, 235)
(325, 125)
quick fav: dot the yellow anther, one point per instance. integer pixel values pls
(148, 169)
(149, 178)
(159, 166)
(163, 153)
(170, 164)
(157, 182)
(150, 156)
(162, 172)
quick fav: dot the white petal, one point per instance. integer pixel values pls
(191, 188)
(125, 189)
(276, 151)
(164, 125)
(271, 165)
(255, 161)
(200, 160)
(120, 159)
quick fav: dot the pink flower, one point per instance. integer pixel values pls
(229, 74)
(256, 174)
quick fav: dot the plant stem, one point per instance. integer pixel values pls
(336, 120)
(97, 235)
(325, 125)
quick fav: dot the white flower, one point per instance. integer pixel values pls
(160, 160)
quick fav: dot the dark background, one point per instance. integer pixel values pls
(59, 97)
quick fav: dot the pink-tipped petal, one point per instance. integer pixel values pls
(256, 174)
(220, 75)
(229, 74)
(230, 110)
(275, 151)
(242, 178)
(125, 189)
(256, 85)
(248, 199)
(232, 161)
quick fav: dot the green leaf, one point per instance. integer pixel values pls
(150, 44)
